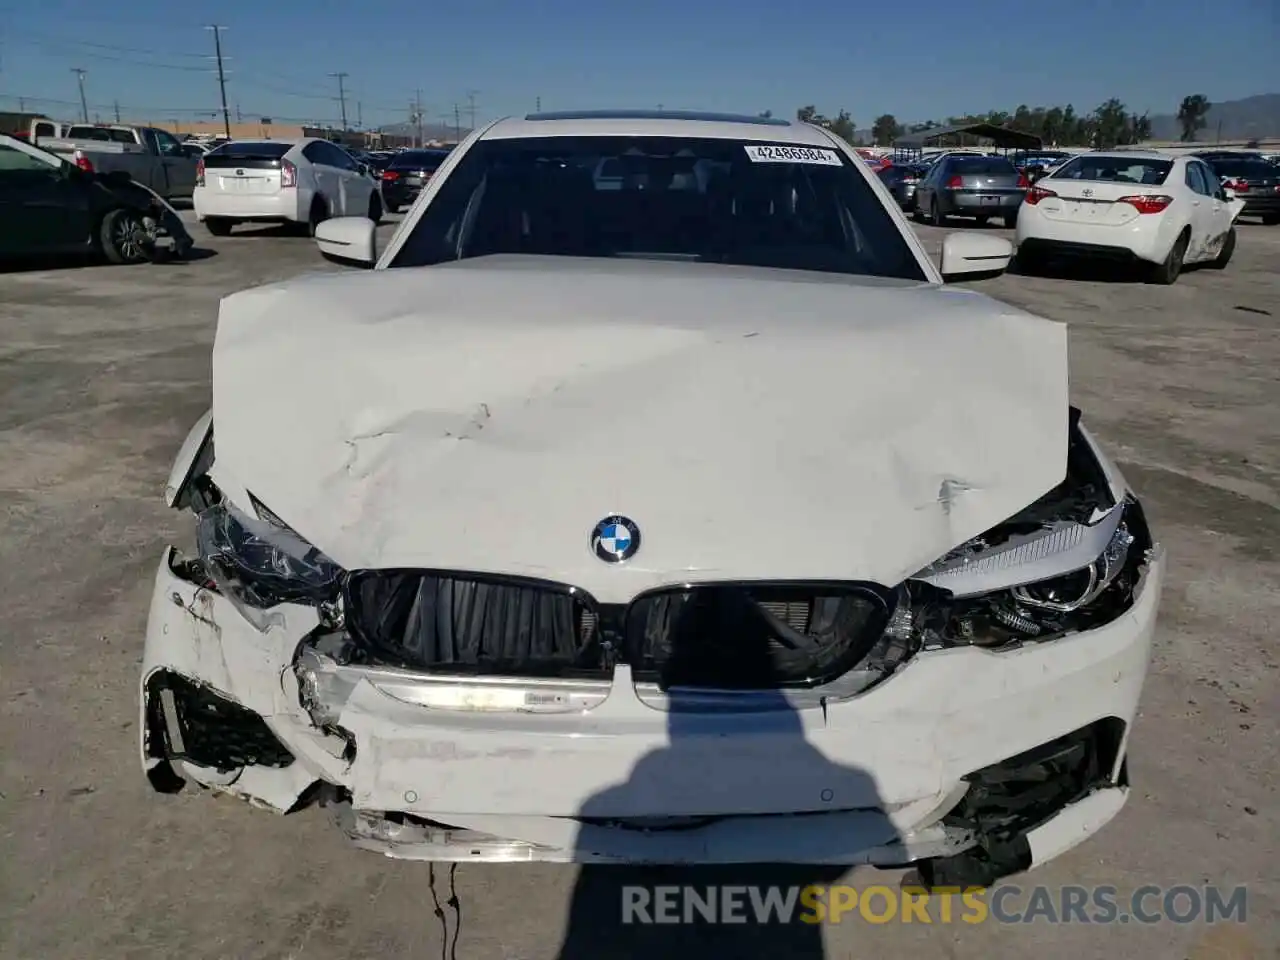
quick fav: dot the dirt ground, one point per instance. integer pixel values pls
(102, 372)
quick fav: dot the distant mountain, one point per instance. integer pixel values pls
(430, 131)
(1251, 118)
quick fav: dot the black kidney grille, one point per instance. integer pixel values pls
(728, 636)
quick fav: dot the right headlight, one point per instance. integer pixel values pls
(1069, 593)
(997, 596)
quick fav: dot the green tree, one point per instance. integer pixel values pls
(1111, 125)
(886, 129)
(809, 114)
(1192, 115)
(1070, 126)
(766, 115)
(1051, 126)
(1141, 129)
(842, 126)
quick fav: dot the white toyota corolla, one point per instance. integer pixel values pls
(1154, 210)
(693, 520)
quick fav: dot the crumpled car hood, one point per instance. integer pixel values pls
(754, 424)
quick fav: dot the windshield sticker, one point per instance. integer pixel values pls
(769, 153)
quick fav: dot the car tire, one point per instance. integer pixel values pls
(375, 209)
(1031, 263)
(317, 215)
(219, 226)
(1270, 219)
(1224, 255)
(122, 237)
(917, 214)
(1011, 222)
(393, 207)
(936, 216)
(1168, 272)
(982, 221)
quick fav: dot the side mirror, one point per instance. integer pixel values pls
(973, 256)
(350, 241)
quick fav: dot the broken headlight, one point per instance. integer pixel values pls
(1081, 596)
(259, 563)
(1078, 589)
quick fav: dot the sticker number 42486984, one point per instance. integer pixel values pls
(772, 153)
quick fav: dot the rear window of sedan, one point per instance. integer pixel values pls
(252, 150)
(419, 159)
(990, 166)
(1245, 169)
(1149, 171)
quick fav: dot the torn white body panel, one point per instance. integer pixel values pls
(878, 771)
(484, 415)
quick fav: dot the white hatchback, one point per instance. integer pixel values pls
(1157, 210)
(294, 182)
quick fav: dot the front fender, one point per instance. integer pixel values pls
(194, 459)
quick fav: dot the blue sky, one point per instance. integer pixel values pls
(924, 60)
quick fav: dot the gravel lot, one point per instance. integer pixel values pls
(102, 372)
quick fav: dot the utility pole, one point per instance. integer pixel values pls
(359, 114)
(342, 98)
(471, 107)
(222, 77)
(239, 115)
(84, 104)
(117, 106)
(457, 124)
(417, 116)
(537, 104)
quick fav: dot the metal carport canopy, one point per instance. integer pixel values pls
(1001, 136)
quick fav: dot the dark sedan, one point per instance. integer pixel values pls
(901, 179)
(405, 176)
(51, 206)
(1256, 182)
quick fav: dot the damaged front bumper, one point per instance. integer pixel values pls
(974, 763)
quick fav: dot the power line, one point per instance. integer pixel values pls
(222, 77)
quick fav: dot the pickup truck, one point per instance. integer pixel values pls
(31, 127)
(152, 157)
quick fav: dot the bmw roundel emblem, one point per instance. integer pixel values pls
(615, 539)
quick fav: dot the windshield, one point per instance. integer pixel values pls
(1117, 169)
(702, 200)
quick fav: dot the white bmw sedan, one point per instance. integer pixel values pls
(300, 183)
(664, 523)
(1156, 211)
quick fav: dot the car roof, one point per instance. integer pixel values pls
(657, 123)
(1130, 154)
